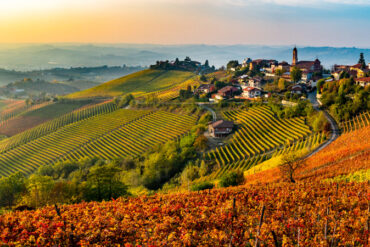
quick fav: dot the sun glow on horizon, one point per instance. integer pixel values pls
(182, 21)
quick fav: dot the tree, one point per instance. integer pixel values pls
(362, 61)
(233, 178)
(103, 183)
(289, 166)
(201, 143)
(296, 74)
(204, 169)
(232, 64)
(206, 64)
(220, 84)
(203, 78)
(282, 84)
(279, 72)
(319, 85)
(177, 62)
(10, 189)
(190, 173)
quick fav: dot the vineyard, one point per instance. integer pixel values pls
(356, 123)
(304, 214)
(121, 133)
(55, 124)
(31, 116)
(139, 84)
(16, 109)
(173, 92)
(260, 132)
(309, 143)
(345, 156)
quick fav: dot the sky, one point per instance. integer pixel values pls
(268, 22)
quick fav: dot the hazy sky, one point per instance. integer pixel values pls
(273, 22)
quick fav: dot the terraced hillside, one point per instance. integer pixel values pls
(260, 132)
(53, 125)
(356, 122)
(121, 133)
(31, 116)
(320, 209)
(139, 83)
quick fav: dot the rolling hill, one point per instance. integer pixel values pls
(138, 83)
(314, 211)
(108, 134)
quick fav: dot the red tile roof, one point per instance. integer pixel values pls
(364, 79)
(251, 89)
(222, 124)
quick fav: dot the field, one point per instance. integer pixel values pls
(139, 84)
(260, 132)
(53, 125)
(357, 122)
(347, 155)
(311, 212)
(122, 133)
(34, 115)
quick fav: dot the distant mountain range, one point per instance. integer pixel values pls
(46, 56)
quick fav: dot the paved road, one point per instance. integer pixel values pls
(214, 115)
(333, 123)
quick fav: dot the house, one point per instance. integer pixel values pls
(227, 92)
(363, 82)
(255, 82)
(262, 63)
(243, 78)
(205, 88)
(246, 62)
(337, 74)
(298, 89)
(251, 92)
(220, 128)
(360, 72)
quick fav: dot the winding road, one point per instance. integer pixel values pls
(334, 126)
(313, 99)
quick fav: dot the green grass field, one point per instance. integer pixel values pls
(139, 83)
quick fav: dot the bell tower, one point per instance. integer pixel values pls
(295, 56)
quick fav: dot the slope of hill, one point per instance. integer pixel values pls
(311, 212)
(31, 116)
(348, 154)
(28, 86)
(139, 83)
(121, 133)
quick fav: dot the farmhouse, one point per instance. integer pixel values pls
(251, 92)
(255, 81)
(220, 128)
(363, 82)
(227, 92)
(298, 89)
(205, 88)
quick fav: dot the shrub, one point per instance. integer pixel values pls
(202, 186)
(232, 179)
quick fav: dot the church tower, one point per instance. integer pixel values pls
(295, 56)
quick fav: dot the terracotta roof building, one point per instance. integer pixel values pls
(363, 82)
(227, 91)
(220, 128)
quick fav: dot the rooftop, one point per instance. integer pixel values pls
(222, 124)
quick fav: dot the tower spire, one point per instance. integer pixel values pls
(295, 56)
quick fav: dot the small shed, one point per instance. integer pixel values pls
(220, 128)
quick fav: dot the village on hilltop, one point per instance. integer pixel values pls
(253, 79)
